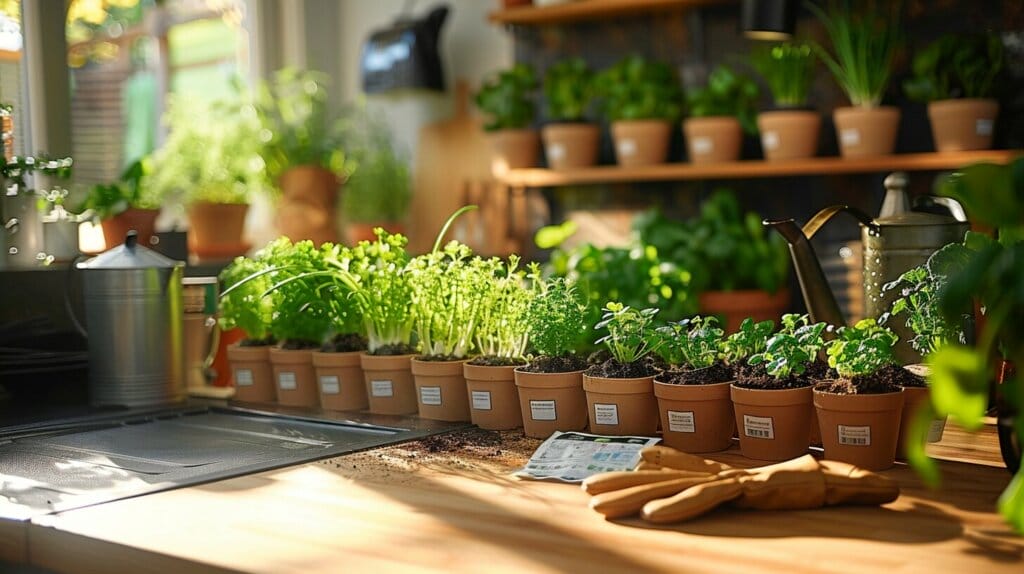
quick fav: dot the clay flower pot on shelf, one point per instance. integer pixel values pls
(696, 418)
(960, 125)
(641, 142)
(789, 134)
(621, 406)
(216, 229)
(715, 139)
(866, 132)
(493, 398)
(861, 429)
(253, 377)
(734, 306)
(340, 380)
(441, 390)
(513, 149)
(773, 424)
(309, 198)
(389, 386)
(551, 402)
(570, 145)
(294, 377)
(117, 227)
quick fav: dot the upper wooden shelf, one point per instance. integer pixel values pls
(537, 177)
(591, 10)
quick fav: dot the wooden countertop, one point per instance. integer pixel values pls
(450, 506)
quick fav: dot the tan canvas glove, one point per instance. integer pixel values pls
(672, 458)
(692, 502)
(608, 481)
(629, 501)
(848, 484)
(791, 485)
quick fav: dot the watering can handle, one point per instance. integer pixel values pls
(825, 215)
(67, 297)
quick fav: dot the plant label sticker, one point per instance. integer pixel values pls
(606, 414)
(681, 421)
(430, 396)
(329, 385)
(286, 381)
(850, 136)
(626, 148)
(983, 127)
(481, 400)
(243, 378)
(702, 146)
(758, 427)
(854, 436)
(556, 151)
(770, 140)
(382, 389)
(543, 411)
(935, 430)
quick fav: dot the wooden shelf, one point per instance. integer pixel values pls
(591, 10)
(537, 177)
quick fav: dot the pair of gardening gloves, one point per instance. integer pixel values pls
(672, 486)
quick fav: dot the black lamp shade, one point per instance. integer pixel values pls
(768, 19)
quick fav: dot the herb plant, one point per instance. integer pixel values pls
(507, 98)
(107, 200)
(788, 68)
(862, 349)
(569, 89)
(557, 316)
(302, 313)
(727, 94)
(956, 66)
(793, 348)
(631, 336)
(446, 287)
(749, 340)
(504, 328)
(244, 302)
(695, 342)
(639, 89)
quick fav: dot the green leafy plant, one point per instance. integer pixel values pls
(557, 315)
(447, 287)
(379, 188)
(639, 89)
(631, 336)
(244, 302)
(788, 68)
(695, 342)
(726, 94)
(956, 66)
(107, 200)
(15, 169)
(504, 328)
(793, 348)
(865, 43)
(302, 316)
(507, 98)
(749, 340)
(569, 89)
(862, 349)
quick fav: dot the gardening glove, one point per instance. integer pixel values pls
(848, 484)
(667, 457)
(792, 485)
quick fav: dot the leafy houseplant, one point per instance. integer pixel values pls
(569, 141)
(719, 113)
(124, 205)
(244, 304)
(750, 339)
(378, 192)
(791, 129)
(641, 99)
(506, 98)
(956, 76)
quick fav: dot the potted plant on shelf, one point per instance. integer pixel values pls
(865, 45)
(620, 390)
(642, 100)
(245, 305)
(378, 192)
(693, 393)
(859, 412)
(956, 76)
(550, 387)
(124, 205)
(506, 99)
(719, 114)
(569, 141)
(790, 129)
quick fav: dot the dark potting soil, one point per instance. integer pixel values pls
(562, 364)
(877, 383)
(903, 377)
(438, 358)
(492, 361)
(757, 377)
(295, 345)
(612, 369)
(257, 342)
(393, 350)
(717, 373)
(344, 344)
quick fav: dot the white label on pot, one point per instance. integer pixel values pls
(606, 414)
(286, 381)
(770, 140)
(702, 145)
(430, 396)
(626, 147)
(850, 136)
(329, 385)
(481, 400)
(758, 427)
(854, 436)
(681, 421)
(935, 430)
(983, 127)
(382, 389)
(556, 151)
(243, 377)
(543, 411)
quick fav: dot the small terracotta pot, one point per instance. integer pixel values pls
(641, 142)
(143, 221)
(715, 139)
(789, 134)
(356, 231)
(441, 390)
(216, 229)
(570, 145)
(621, 406)
(551, 402)
(960, 125)
(915, 398)
(862, 430)
(339, 377)
(513, 149)
(306, 210)
(493, 398)
(735, 306)
(389, 385)
(294, 377)
(866, 132)
(252, 375)
(773, 424)
(696, 418)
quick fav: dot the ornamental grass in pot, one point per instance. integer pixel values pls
(244, 305)
(550, 387)
(790, 129)
(507, 99)
(719, 114)
(569, 140)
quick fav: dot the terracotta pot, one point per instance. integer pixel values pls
(959, 125)
(306, 210)
(641, 142)
(862, 430)
(253, 377)
(866, 132)
(339, 377)
(789, 134)
(621, 406)
(389, 386)
(713, 140)
(513, 149)
(363, 231)
(773, 424)
(913, 399)
(734, 306)
(493, 399)
(441, 390)
(294, 377)
(551, 402)
(142, 221)
(696, 418)
(216, 229)
(570, 145)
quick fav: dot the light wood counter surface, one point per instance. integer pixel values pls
(421, 508)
